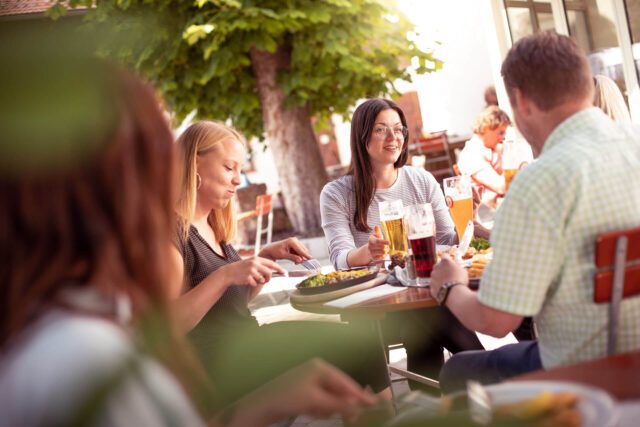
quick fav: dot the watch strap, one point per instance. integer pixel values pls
(448, 286)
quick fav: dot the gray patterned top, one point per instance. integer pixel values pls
(337, 207)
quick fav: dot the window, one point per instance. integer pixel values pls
(633, 18)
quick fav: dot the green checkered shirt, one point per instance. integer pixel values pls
(585, 182)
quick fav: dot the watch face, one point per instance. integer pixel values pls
(442, 293)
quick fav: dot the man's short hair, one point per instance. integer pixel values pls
(547, 68)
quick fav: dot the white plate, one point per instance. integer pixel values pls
(597, 407)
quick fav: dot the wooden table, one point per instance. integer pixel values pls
(619, 375)
(375, 310)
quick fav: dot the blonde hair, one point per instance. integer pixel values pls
(610, 100)
(491, 117)
(200, 138)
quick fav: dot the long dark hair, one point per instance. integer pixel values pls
(364, 183)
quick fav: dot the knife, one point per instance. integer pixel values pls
(465, 242)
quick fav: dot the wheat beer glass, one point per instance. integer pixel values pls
(510, 162)
(459, 198)
(421, 228)
(393, 227)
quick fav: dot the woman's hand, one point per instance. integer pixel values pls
(254, 271)
(377, 244)
(374, 250)
(314, 388)
(290, 249)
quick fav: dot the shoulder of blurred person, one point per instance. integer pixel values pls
(63, 363)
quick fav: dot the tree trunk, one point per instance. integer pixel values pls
(295, 149)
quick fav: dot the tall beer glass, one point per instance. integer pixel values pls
(421, 227)
(457, 192)
(510, 162)
(391, 218)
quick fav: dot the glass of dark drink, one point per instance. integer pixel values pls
(422, 238)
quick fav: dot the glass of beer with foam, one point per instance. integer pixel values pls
(421, 228)
(459, 198)
(393, 227)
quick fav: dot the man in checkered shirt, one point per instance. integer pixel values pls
(586, 181)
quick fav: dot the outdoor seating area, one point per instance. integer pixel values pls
(320, 214)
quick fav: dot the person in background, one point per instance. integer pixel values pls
(545, 231)
(86, 230)
(490, 96)
(217, 284)
(481, 158)
(350, 214)
(610, 100)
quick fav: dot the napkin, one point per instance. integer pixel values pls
(367, 294)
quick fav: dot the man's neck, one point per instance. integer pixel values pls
(550, 120)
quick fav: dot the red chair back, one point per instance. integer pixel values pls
(606, 246)
(263, 204)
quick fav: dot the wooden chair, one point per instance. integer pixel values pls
(435, 147)
(263, 207)
(617, 274)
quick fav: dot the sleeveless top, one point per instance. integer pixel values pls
(231, 310)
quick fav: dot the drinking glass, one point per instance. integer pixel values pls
(459, 198)
(391, 218)
(421, 227)
(510, 162)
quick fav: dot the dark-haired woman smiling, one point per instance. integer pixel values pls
(349, 207)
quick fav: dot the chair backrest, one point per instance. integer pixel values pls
(435, 147)
(617, 274)
(606, 248)
(263, 204)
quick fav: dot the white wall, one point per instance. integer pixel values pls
(451, 97)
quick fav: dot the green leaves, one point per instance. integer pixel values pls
(197, 52)
(197, 32)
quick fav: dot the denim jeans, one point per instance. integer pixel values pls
(489, 367)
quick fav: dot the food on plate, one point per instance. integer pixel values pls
(542, 410)
(478, 263)
(480, 244)
(397, 259)
(332, 278)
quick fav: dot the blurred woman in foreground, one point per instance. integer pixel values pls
(86, 225)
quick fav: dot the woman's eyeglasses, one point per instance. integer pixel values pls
(383, 131)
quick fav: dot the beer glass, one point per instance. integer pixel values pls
(510, 162)
(459, 198)
(393, 227)
(421, 228)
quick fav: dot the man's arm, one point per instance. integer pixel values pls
(464, 303)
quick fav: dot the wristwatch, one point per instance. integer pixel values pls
(444, 290)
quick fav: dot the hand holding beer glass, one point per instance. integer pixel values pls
(391, 218)
(421, 227)
(458, 195)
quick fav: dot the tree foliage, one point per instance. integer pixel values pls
(196, 52)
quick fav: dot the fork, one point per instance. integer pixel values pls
(312, 264)
(479, 403)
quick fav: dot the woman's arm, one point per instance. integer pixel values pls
(490, 179)
(336, 226)
(191, 306)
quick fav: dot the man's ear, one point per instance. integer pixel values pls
(523, 103)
